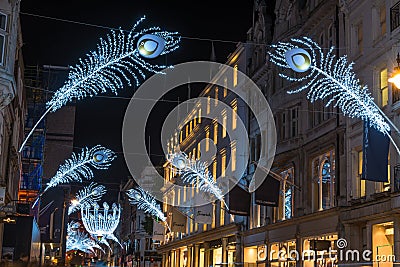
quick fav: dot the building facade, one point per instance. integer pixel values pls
(204, 137)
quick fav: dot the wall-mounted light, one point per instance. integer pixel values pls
(395, 79)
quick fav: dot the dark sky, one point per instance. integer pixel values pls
(54, 42)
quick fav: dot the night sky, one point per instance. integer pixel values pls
(61, 43)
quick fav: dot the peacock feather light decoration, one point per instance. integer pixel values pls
(88, 195)
(195, 172)
(146, 202)
(329, 78)
(119, 58)
(79, 240)
(79, 165)
(101, 223)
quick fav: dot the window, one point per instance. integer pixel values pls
(3, 34)
(223, 164)
(360, 37)
(330, 35)
(215, 132)
(382, 19)
(215, 169)
(294, 121)
(285, 208)
(322, 40)
(225, 86)
(216, 96)
(191, 126)
(235, 75)
(207, 138)
(234, 114)
(323, 171)
(224, 121)
(386, 186)
(282, 126)
(361, 191)
(208, 104)
(199, 117)
(383, 85)
(180, 137)
(395, 16)
(198, 151)
(233, 157)
(222, 214)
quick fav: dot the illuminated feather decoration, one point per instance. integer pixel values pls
(79, 166)
(119, 58)
(195, 172)
(78, 240)
(146, 202)
(88, 195)
(331, 79)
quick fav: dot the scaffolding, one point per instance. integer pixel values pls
(32, 154)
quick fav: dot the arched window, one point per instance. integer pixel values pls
(324, 181)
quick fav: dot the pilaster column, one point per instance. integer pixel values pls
(189, 256)
(396, 249)
(239, 250)
(196, 254)
(206, 254)
(177, 257)
(224, 250)
(164, 260)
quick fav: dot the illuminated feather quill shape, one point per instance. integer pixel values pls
(331, 79)
(146, 202)
(118, 58)
(195, 172)
(87, 196)
(79, 166)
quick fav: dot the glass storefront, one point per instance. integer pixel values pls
(320, 249)
(283, 254)
(382, 244)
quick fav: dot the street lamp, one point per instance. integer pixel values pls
(395, 79)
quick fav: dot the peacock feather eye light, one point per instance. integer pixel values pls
(150, 45)
(99, 157)
(298, 59)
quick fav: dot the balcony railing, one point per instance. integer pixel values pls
(395, 16)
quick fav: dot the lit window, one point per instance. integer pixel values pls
(215, 132)
(187, 130)
(207, 138)
(362, 182)
(233, 157)
(222, 214)
(191, 126)
(384, 87)
(184, 193)
(225, 86)
(235, 75)
(215, 169)
(223, 165)
(386, 186)
(180, 137)
(224, 121)
(234, 114)
(199, 118)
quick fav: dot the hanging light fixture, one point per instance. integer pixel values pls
(395, 79)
